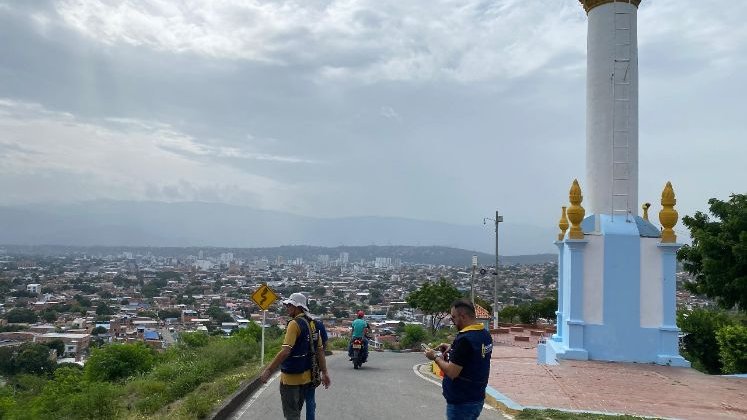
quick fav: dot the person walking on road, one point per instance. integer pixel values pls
(465, 364)
(294, 359)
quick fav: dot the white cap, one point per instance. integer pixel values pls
(297, 299)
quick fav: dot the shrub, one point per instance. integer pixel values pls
(69, 395)
(338, 343)
(699, 345)
(194, 339)
(732, 340)
(119, 361)
(413, 335)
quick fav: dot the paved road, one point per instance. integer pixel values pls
(386, 387)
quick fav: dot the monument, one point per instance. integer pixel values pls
(616, 269)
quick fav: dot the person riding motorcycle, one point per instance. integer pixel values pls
(360, 329)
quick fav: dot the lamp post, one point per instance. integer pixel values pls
(472, 281)
(498, 219)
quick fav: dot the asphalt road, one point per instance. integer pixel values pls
(386, 387)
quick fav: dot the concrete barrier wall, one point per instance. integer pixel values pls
(232, 403)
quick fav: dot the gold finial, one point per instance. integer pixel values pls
(668, 215)
(645, 208)
(590, 4)
(575, 212)
(562, 224)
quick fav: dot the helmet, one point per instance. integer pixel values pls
(360, 314)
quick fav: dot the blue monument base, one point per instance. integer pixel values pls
(616, 290)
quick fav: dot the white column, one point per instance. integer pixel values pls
(612, 118)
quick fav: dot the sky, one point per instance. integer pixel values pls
(423, 109)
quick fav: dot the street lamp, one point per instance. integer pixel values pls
(498, 219)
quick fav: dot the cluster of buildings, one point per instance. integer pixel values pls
(89, 300)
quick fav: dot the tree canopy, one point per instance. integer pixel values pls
(119, 361)
(21, 315)
(717, 257)
(434, 299)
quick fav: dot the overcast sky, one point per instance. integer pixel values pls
(425, 109)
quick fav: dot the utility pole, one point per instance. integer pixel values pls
(472, 283)
(498, 219)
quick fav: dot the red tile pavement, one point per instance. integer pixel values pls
(629, 388)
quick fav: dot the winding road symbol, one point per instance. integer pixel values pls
(264, 297)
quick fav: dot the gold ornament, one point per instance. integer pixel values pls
(645, 208)
(668, 215)
(575, 212)
(562, 224)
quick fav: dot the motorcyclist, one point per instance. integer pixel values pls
(360, 329)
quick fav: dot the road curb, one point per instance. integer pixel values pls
(232, 403)
(493, 398)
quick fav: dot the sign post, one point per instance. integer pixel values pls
(264, 297)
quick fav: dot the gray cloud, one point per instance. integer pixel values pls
(430, 110)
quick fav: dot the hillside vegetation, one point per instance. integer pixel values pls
(129, 381)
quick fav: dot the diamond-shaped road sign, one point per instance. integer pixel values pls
(264, 297)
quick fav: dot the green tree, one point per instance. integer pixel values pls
(118, 361)
(732, 340)
(7, 367)
(83, 301)
(33, 358)
(49, 315)
(168, 275)
(218, 314)
(508, 314)
(375, 297)
(546, 307)
(527, 313)
(413, 335)
(699, 344)
(717, 257)
(99, 330)
(22, 315)
(103, 309)
(164, 314)
(58, 345)
(434, 299)
(151, 290)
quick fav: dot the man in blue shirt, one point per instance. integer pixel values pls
(465, 363)
(360, 330)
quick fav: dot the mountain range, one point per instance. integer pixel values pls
(198, 224)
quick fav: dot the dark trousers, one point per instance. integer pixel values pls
(292, 397)
(310, 403)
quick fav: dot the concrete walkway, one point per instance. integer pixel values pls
(619, 388)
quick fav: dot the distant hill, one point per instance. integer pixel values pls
(195, 224)
(436, 255)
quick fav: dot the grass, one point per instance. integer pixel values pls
(203, 399)
(187, 382)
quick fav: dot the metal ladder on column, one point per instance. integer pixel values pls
(621, 109)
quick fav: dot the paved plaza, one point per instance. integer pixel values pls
(629, 388)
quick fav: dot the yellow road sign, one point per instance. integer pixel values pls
(264, 297)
